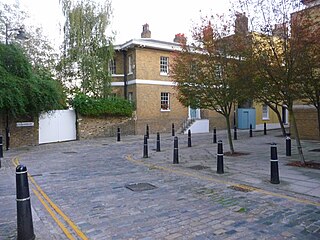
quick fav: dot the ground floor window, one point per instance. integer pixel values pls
(265, 112)
(165, 101)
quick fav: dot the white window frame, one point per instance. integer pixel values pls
(112, 66)
(265, 112)
(164, 65)
(165, 100)
(130, 69)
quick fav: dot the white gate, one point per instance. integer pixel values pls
(57, 126)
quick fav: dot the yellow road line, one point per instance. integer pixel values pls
(53, 215)
(153, 166)
(54, 206)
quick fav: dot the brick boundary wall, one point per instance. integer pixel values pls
(20, 135)
(307, 122)
(93, 127)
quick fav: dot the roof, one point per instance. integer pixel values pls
(149, 43)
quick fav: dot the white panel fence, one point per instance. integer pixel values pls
(57, 126)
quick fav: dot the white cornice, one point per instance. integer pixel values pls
(143, 81)
(149, 43)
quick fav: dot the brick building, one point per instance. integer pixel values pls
(141, 73)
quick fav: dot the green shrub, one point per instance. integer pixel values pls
(90, 106)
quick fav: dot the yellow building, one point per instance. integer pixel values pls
(141, 73)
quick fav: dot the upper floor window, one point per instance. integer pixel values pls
(265, 112)
(164, 65)
(130, 64)
(112, 66)
(165, 101)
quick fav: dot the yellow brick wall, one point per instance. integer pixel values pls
(272, 115)
(307, 122)
(149, 110)
(148, 63)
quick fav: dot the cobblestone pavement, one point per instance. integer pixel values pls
(87, 180)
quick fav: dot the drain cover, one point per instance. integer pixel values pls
(69, 152)
(241, 189)
(315, 150)
(198, 167)
(139, 187)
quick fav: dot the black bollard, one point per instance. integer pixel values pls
(288, 146)
(1, 149)
(24, 216)
(235, 137)
(172, 130)
(145, 147)
(250, 130)
(158, 142)
(175, 151)
(118, 135)
(147, 131)
(264, 128)
(189, 138)
(220, 158)
(214, 135)
(274, 165)
(7, 138)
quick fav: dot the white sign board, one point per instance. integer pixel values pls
(25, 124)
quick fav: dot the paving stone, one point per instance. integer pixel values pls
(89, 187)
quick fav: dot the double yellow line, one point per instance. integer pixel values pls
(52, 209)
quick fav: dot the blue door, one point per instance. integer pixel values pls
(193, 113)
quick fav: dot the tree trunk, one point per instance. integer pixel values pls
(275, 109)
(229, 134)
(296, 133)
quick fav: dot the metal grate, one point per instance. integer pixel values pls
(198, 167)
(139, 187)
(71, 152)
(241, 189)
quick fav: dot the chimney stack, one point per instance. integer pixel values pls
(280, 30)
(241, 24)
(180, 38)
(146, 33)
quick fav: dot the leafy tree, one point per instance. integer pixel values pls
(37, 48)
(24, 91)
(86, 49)
(276, 54)
(305, 35)
(210, 72)
(90, 106)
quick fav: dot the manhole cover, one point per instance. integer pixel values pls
(139, 187)
(198, 167)
(71, 152)
(241, 189)
(315, 150)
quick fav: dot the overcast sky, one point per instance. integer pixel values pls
(165, 17)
